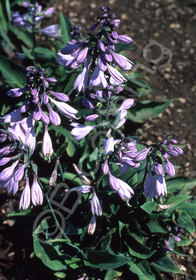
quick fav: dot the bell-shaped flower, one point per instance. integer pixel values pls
(105, 167)
(53, 116)
(36, 192)
(82, 189)
(96, 206)
(47, 148)
(12, 117)
(161, 188)
(26, 195)
(82, 80)
(121, 61)
(65, 109)
(123, 189)
(8, 172)
(53, 177)
(19, 173)
(97, 79)
(116, 75)
(51, 31)
(149, 185)
(80, 130)
(109, 145)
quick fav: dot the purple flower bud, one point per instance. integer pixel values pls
(53, 116)
(142, 154)
(178, 150)
(53, 177)
(92, 117)
(127, 103)
(88, 104)
(94, 26)
(45, 98)
(92, 225)
(37, 113)
(15, 92)
(19, 173)
(7, 173)
(169, 168)
(49, 11)
(5, 151)
(105, 167)
(82, 55)
(172, 153)
(60, 96)
(95, 205)
(158, 168)
(115, 23)
(36, 192)
(5, 160)
(108, 56)
(102, 64)
(101, 46)
(45, 83)
(25, 197)
(169, 145)
(114, 34)
(124, 39)
(173, 141)
(3, 135)
(176, 238)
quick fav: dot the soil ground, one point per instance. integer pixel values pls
(171, 24)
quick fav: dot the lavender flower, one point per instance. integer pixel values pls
(26, 195)
(47, 148)
(98, 55)
(80, 131)
(33, 16)
(51, 31)
(95, 205)
(123, 189)
(36, 192)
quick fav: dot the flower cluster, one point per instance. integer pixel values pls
(18, 145)
(98, 55)
(155, 184)
(20, 140)
(32, 19)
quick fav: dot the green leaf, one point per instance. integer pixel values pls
(45, 53)
(12, 72)
(175, 201)
(186, 221)
(184, 241)
(24, 36)
(180, 185)
(166, 264)
(145, 110)
(155, 226)
(60, 275)
(190, 208)
(8, 10)
(112, 274)
(119, 47)
(104, 259)
(48, 255)
(142, 270)
(149, 207)
(65, 27)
